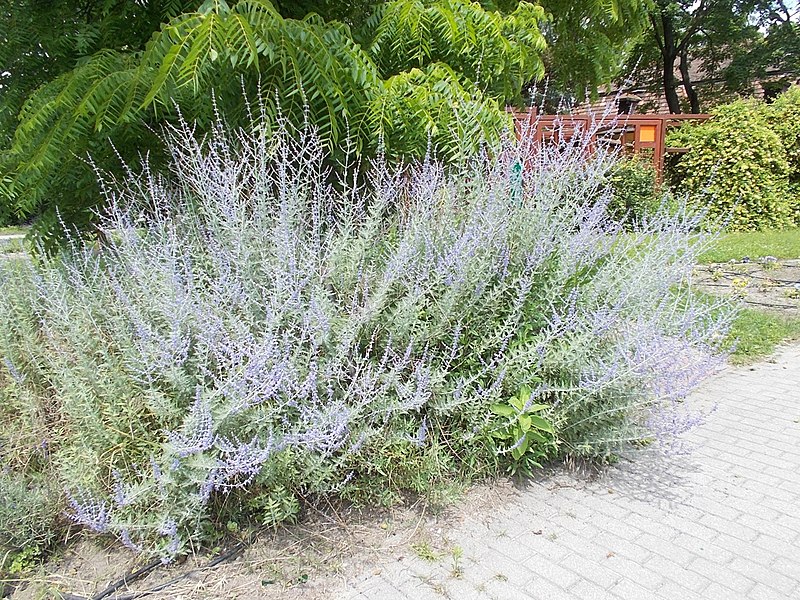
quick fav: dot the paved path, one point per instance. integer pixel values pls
(721, 521)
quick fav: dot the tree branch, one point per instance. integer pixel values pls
(696, 22)
(659, 41)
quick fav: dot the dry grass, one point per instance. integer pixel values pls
(311, 560)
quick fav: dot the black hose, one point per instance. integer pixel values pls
(130, 577)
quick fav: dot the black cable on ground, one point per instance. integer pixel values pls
(129, 578)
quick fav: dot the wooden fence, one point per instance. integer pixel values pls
(636, 134)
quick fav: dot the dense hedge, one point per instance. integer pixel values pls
(784, 118)
(738, 168)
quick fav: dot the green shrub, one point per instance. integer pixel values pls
(30, 511)
(783, 116)
(736, 169)
(635, 193)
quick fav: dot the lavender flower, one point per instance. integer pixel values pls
(325, 430)
(169, 529)
(89, 512)
(12, 370)
(198, 430)
(240, 462)
(310, 309)
(125, 538)
(422, 433)
(121, 498)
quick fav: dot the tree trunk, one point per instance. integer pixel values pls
(669, 52)
(686, 79)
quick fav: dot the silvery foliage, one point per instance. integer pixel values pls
(256, 305)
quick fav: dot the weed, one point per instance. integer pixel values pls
(457, 570)
(526, 437)
(424, 551)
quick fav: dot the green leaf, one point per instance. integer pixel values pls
(541, 424)
(504, 410)
(525, 422)
(536, 437)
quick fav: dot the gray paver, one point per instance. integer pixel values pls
(718, 522)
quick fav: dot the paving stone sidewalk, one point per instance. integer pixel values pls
(721, 520)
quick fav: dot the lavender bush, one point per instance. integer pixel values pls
(254, 328)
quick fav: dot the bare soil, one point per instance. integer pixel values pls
(308, 561)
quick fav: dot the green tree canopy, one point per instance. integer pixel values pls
(108, 73)
(42, 39)
(728, 44)
(773, 51)
(589, 40)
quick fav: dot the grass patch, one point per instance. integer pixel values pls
(757, 333)
(755, 244)
(13, 246)
(13, 230)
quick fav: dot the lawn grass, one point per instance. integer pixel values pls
(13, 246)
(755, 244)
(755, 334)
(13, 230)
